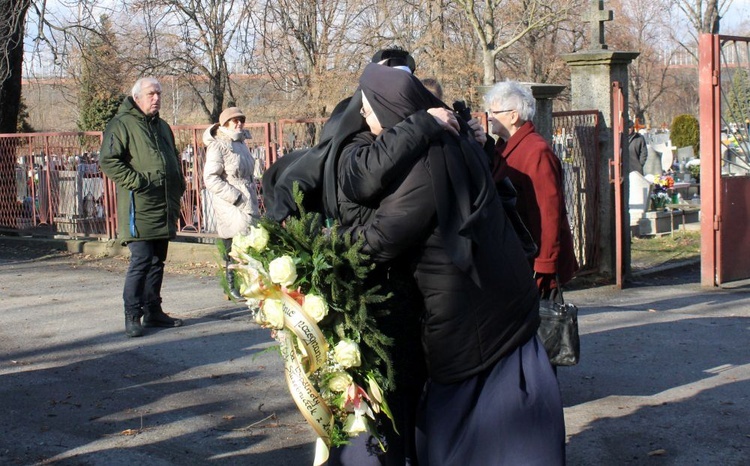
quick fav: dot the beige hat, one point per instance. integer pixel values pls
(229, 113)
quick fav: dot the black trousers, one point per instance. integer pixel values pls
(145, 274)
(226, 248)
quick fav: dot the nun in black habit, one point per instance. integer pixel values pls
(311, 168)
(491, 397)
(368, 172)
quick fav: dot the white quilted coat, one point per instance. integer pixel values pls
(228, 176)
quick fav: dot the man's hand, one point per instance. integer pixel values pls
(446, 118)
(479, 134)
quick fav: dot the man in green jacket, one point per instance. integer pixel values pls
(138, 153)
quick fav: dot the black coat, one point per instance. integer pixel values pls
(365, 172)
(637, 151)
(466, 327)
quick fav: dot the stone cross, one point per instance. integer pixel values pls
(596, 16)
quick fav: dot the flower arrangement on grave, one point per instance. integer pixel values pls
(309, 286)
(660, 191)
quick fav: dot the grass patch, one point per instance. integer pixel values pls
(658, 250)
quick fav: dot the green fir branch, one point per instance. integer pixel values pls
(333, 266)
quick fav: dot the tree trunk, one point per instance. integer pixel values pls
(11, 53)
(12, 22)
(711, 18)
(488, 60)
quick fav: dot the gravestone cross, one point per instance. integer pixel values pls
(596, 17)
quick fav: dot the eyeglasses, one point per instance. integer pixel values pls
(364, 113)
(497, 112)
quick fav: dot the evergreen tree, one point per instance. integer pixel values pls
(685, 131)
(737, 106)
(23, 125)
(101, 80)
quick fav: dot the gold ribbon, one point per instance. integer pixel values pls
(307, 331)
(308, 400)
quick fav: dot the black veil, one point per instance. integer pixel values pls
(461, 180)
(307, 166)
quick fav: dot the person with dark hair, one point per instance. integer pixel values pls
(138, 153)
(374, 169)
(637, 149)
(442, 222)
(433, 85)
(395, 57)
(307, 167)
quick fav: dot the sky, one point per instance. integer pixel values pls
(737, 14)
(735, 21)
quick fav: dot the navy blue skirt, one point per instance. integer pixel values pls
(509, 414)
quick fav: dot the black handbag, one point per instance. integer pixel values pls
(559, 330)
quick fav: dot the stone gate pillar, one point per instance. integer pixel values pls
(592, 73)
(543, 94)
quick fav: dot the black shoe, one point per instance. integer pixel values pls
(231, 291)
(133, 326)
(160, 319)
(235, 295)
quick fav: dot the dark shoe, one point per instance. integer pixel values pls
(232, 292)
(160, 319)
(133, 326)
(235, 295)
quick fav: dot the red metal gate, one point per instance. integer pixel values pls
(576, 142)
(725, 158)
(616, 178)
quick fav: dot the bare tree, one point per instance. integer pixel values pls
(312, 50)
(536, 57)
(198, 39)
(701, 16)
(499, 24)
(644, 26)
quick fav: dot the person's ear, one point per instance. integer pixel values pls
(514, 117)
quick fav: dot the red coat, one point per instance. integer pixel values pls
(535, 171)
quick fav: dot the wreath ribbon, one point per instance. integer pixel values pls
(307, 331)
(309, 402)
(315, 348)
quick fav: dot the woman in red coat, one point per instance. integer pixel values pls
(525, 158)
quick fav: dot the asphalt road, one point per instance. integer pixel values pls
(663, 380)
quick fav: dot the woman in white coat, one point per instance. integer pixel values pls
(228, 176)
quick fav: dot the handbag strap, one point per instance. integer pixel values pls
(559, 288)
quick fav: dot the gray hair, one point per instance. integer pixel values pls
(513, 96)
(139, 84)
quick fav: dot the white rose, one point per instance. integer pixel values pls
(272, 314)
(258, 238)
(315, 307)
(346, 353)
(240, 243)
(340, 382)
(282, 271)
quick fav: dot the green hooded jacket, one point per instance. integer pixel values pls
(138, 153)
